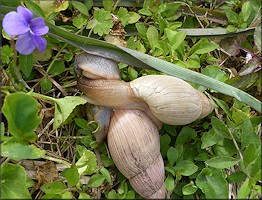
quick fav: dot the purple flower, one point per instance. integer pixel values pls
(28, 30)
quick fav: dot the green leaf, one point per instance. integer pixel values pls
(96, 180)
(79, 21)
(170, 183)
(17, 151)
(212, 183)
(232, 16)
(257, 37)
(6, 54)
(206, 47)
(57, 68)
(56, 187)
(152, 36)
(72, 176)
(81, 7)
(26, 64)
(175, 38)
(145, 12)
(21, 111)
(106, 173)
(87, 164)
(64, 107)
(189, 189)
(220, 128)
(245, 11)
(221, 162)
(141, 28)
(46, 84)
(133, 17)
(209, 139)
(236, 177)
(244, 190)
(35, 8)
(215, 72)
(164, 144)
(185, 135)
(13, 182)
(108, 5)
(224, 106)
(84, 196)
(186, 168)
(123, 15)
(172, 155)
(102, 22)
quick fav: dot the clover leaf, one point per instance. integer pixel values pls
(101, 23)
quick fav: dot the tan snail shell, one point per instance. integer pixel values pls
(134, 144)
(171, 100)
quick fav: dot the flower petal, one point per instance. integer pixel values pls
(38, 26)
(25, 44)
(25, 14)
(40, 43)
(13, 25)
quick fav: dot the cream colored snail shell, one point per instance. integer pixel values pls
(134, 144)
(171, 100)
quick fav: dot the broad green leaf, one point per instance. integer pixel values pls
(54, 7)
(186, 168)
(79, 21)
(212, 183)
(13, 182)
(64, 107)
(245, 11)
(106, 173)
(83, 195)
(26, 64)
(215, 72)
(206, 47)
(71, 174)
(164, 144)
(172, 155)
(56, 187)
(96, 180)
(145, 12)
(232, 16)
(21, 111)
(221, 162)
(43, 56)
(175, 38)
(17, 151)
(220, 128)
(57, 68)
(87, 164)
(108, 5)
(236, 177)
(46, 84)
(189, 189)
(141, 28)
(170, 183)
(133, 17)
(248, 136)
(244, 190)
(152, 36)
(134, 58)
(209, 138)
(185, 135)
(81, 7)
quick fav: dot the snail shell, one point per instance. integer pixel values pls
(171, 100)
(134, 144)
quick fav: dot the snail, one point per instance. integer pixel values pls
(138, 110)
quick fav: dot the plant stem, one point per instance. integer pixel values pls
(41, 96)
(14, 68)
(57, 160)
